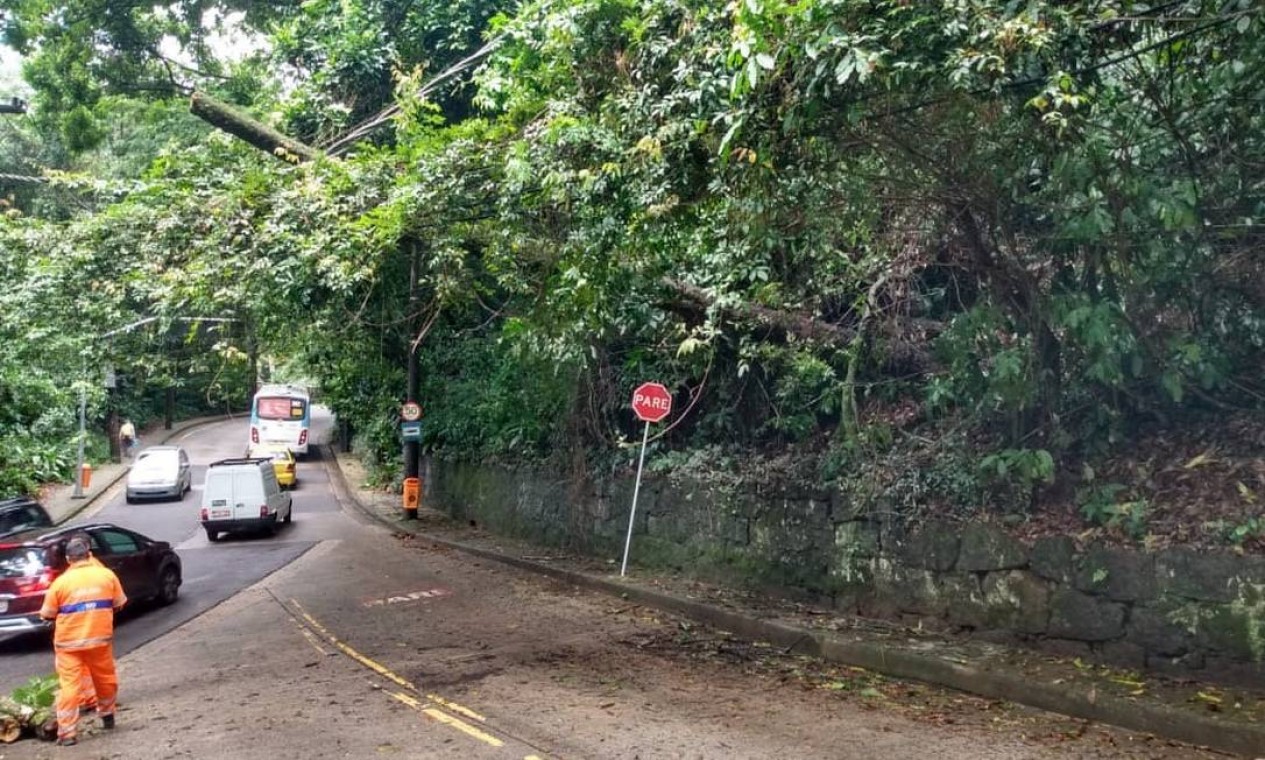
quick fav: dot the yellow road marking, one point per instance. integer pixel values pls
(466, 711)
(353, 654)
(386, 673)
(462, 726)
(406, 699)
(449, 720)
(309, 636)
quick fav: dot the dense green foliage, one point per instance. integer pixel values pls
(823, 223)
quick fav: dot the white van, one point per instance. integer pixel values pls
(242, 494)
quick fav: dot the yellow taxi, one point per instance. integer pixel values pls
(282, 463)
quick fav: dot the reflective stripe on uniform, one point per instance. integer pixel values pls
(94, 604)
(67, 724)
(83, 643)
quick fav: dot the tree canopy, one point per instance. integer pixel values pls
(1024, 230)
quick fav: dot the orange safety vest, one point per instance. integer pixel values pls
(83, 600)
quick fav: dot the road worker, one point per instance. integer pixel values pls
(88, 692)
(82, 602)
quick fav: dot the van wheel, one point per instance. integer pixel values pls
(212, 535)
(169, 587)
(289, 515)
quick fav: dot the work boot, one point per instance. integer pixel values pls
(69, 741)
(107, 722)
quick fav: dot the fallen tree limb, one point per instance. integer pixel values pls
(256, 133)
(904, 351)
(10, 729)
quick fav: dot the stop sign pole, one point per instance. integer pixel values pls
(651, 402)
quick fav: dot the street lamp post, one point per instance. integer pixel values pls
(83, 432)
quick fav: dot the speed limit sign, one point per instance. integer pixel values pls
(411, 411)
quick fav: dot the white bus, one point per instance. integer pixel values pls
(281, 417)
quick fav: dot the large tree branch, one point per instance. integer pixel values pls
(906, 351)
(254, 132)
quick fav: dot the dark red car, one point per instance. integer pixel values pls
(30, 560)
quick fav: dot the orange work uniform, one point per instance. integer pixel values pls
(83, 600)
(88, 692)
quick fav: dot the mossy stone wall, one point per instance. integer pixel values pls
(1174, 610)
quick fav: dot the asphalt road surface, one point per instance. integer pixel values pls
(212, 572)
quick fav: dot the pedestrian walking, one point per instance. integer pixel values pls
(127, 437)
(81, 603)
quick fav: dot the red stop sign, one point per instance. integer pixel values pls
(651, 402)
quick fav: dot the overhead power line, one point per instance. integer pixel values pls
(364, 128)
(21, 178)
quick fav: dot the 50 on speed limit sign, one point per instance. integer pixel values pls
(411, 411)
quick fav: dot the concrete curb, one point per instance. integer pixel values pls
(180, 427)
(1170, 723)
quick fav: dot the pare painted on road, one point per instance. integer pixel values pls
(430, 593)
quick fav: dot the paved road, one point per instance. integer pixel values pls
(212, 573)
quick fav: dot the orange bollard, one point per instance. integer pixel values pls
(85, 475)
(412, 497)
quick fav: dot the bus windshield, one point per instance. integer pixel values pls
(280, 408)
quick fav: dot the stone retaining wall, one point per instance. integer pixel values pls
(1176, 609)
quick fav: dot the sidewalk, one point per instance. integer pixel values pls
(57, 497)
(1229, 720)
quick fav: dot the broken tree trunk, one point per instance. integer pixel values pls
(10, 729)
(258, 134)
(904, 353)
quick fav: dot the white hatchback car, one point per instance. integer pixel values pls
(159, 472)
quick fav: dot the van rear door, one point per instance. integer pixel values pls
(248, 493)
(217, 494)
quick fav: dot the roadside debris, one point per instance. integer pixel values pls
(28, 711)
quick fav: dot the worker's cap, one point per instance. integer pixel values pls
(77, 548)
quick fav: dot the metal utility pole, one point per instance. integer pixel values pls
(169, 408)
(252, 353)
(112, 422)
(83, 433)
(412, 448)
